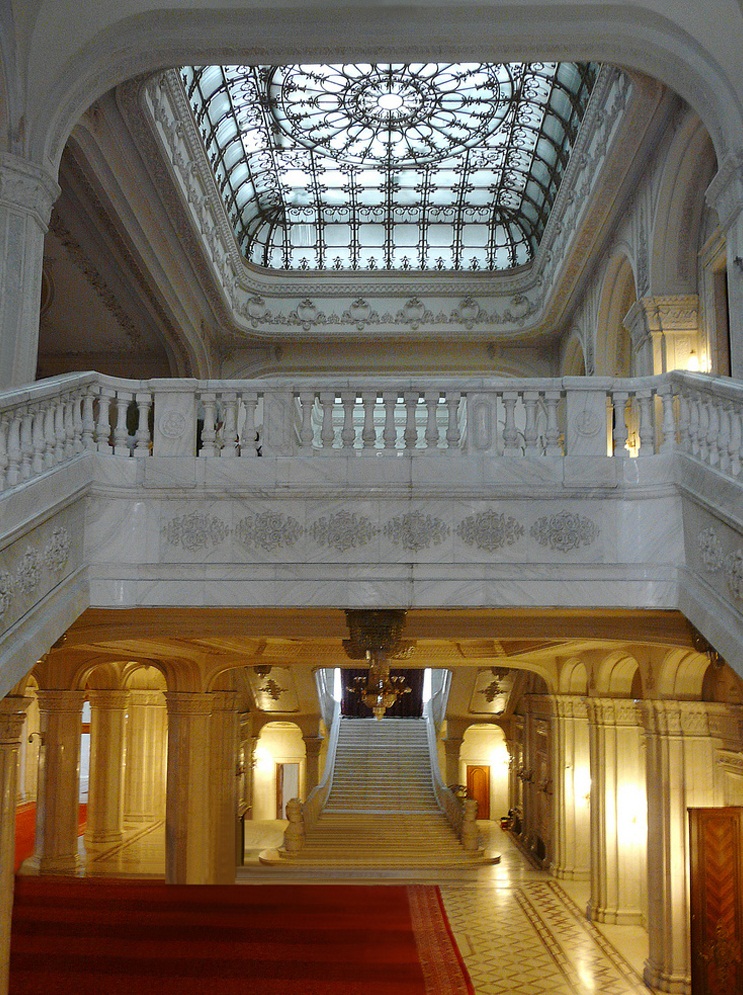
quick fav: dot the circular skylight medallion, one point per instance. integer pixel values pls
(408, 115)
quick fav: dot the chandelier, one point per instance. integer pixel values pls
(375, 635)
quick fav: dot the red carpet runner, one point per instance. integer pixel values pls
(92, 937)
(25, 830)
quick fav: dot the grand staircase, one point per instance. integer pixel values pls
(382, 811)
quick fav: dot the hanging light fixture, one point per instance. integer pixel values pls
(376, 635)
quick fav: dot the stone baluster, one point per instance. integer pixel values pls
(143, 439)
(70, 424)
(229, 429)
(694, 419)
(431, 398)
(120, 432)
(306, 399)
(103, 425)
(369, 432)
(735, 441)
(38, 441)
(724, 414)
(27, 444)
(668, 431)
(348, 432)
(683, 420)
(188, 836)
(105, 823)
(510, 434)
(3, 451)
(619, 432)
(453, 433)
(618, 812)
(12, 714)
(88, 425)
(646, 428)
(389, 398)
(209, 429)
(77, 420)
(248, 447)
(410, 434)
(703, 427)
(13, 474)
(530, 399)
(59, 767)
(50, 458)
(327, 430)
(551, 402)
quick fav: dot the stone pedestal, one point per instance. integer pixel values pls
(189, 852)
(58, 791)
(224, 783)
(12, 715)
(26, 197)
(618, 812)
(452, 748)
(571, 776)
(682, 773)
(107, 764)
(313, 746)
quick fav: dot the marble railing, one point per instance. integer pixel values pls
(57, 420)
(447, 801)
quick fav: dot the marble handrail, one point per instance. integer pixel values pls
(447, 801)
(318, 797)
(54, 421)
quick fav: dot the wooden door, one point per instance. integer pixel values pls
(716, 838)
(478, 787)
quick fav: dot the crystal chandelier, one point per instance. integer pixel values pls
(376, 636)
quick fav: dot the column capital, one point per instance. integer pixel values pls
(313, 745)
(569, 706)
(725, 192)
(108, 699)
(12, 715)
(683, 718)
(612, 711)
(28, 187)
(55, 700)
(188, 702)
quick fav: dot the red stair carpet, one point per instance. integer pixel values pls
(94, 937)
(25, 830)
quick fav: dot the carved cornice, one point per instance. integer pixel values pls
(612, 712)
(725, 192)
(685, 718)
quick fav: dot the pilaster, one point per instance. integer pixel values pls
(313, 746)
(452, 747)
(224, 783)
(27, 193)
(105, 823)
(725, 195)
(146, 757)
(571, 777)
(618, 812)
(681, 773)
(188, 835)
(58, 790)
(12, 715)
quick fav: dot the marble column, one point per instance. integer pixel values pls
(618, 812)
(27, 193)
(682, 773)
(725, 195)
(105, 823)
(571, 776)
(224, 783)
(313, 746)
(12, 716)
(146, 757)
(189, 851)
(58, 789)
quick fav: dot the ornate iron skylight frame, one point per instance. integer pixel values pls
(428, 166)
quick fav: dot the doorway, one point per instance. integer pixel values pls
(478, 787)
(287, 786)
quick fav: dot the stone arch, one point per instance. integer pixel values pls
(681, 674)
(573, 357)
(112, 48)
(677, 231)
(613, 341)
(615, 675)
(484, 745)
(572, 677)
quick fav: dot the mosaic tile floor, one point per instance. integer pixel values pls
(519, 931)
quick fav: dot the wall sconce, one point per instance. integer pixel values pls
(39, 734)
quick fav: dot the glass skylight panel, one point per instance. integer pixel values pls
(423, 166)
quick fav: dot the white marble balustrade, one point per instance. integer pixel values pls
(57, 420)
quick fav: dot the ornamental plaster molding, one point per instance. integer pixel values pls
(731, 762)
(680, 718)
(343, 530)
(415, 531)
(269, 530)
(339, 304)
(489, 530)
(734, 573)
(25, 186)
(570, 706)
(564, 531)
(195, 531)
(710, 549)
(38, 567)
(725, 192)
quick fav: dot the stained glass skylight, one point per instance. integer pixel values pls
(426, 166)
